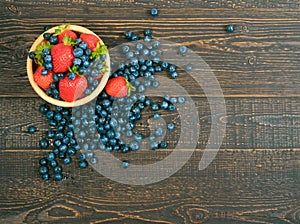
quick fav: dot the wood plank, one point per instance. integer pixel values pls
(260, 59)
(242, 187)
(292, 4)
(252, 123)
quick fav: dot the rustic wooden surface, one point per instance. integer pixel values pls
(255, 176)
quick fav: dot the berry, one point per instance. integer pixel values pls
(53, 40)
(68, 33)
(182, 50)
(170, 126)
(90, 39)
(31, 55)
(43, 143)
(118, 87)
(125, 164)
(163, 145)
(230, 28)
(147, 32)
(62, 57)
(31, 129)
(78, 52)
(71, 75)
(71, 90)
(57, 176)
(41, 80)
(154, 12)
(43, 170)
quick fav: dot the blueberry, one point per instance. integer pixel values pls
(83, 45)
(93, 161)
(57, 142)
(47, 28)
(113, 142)
(155, 107)
(53, 163)
(57, 116)
(57, 177)
(57, 169)
(31, 55)
(125, 164)
(156, 44)
(50, 114)
(141, 88)
(147, 32)
(78, 41)
(134, 37)
(163, 145)
(188, 67)
(139, 46)
(71, 76)
(182, 50)
(172, 68)
(43, 169)
(171, 107)
(78, 52)
(48, 59)
(230, 28)
(60, 76)
(148, 63)
(153, 53)
(48, 66)
(181, 99)
(53, 40)
(43, 143)
(164, 65)
(31, 129)
(47, 36)
(155, 84)
(45, 176)
(67, 160)
(147, 39)
(164, 105)
(154, 12)
(174, 75)
(128, 35)
(50, 156)
(138, 137)
(77, 61)
(124, 148)
(129, 55)
(43, 162)
(87, 64)
(45, 52)
(145, 52)
(153, 145)
(170, 126)
(159, 131)
(156, 115)
(88, 52)
(173, 100)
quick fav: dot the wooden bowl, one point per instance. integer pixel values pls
(41, 92)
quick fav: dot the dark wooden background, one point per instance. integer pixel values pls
(255, 176)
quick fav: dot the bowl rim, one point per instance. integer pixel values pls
(40, 92)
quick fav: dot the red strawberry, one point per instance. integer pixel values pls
(71, 90)
(118, 87)
(43, 81)
(90, 39)
(68, 33)
(62, 57)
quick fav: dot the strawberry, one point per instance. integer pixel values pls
(90, 39)
(118, 87)
(68, 33)
(62, 55)
(71, 90)
(43, 81)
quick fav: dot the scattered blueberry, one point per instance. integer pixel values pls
(31, 129)
(154, 12)
(125, 164)
(230, 28)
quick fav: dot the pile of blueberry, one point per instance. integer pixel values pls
(110, 125)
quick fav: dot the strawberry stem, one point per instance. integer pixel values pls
(69, 41)
(38, 58)
(130, 87)
(61, 29)
(100, 49)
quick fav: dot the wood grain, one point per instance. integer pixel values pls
(255, 176)
(247, 187)
(252, 123)
(260, 59)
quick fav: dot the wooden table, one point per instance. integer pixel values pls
(255, 176)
